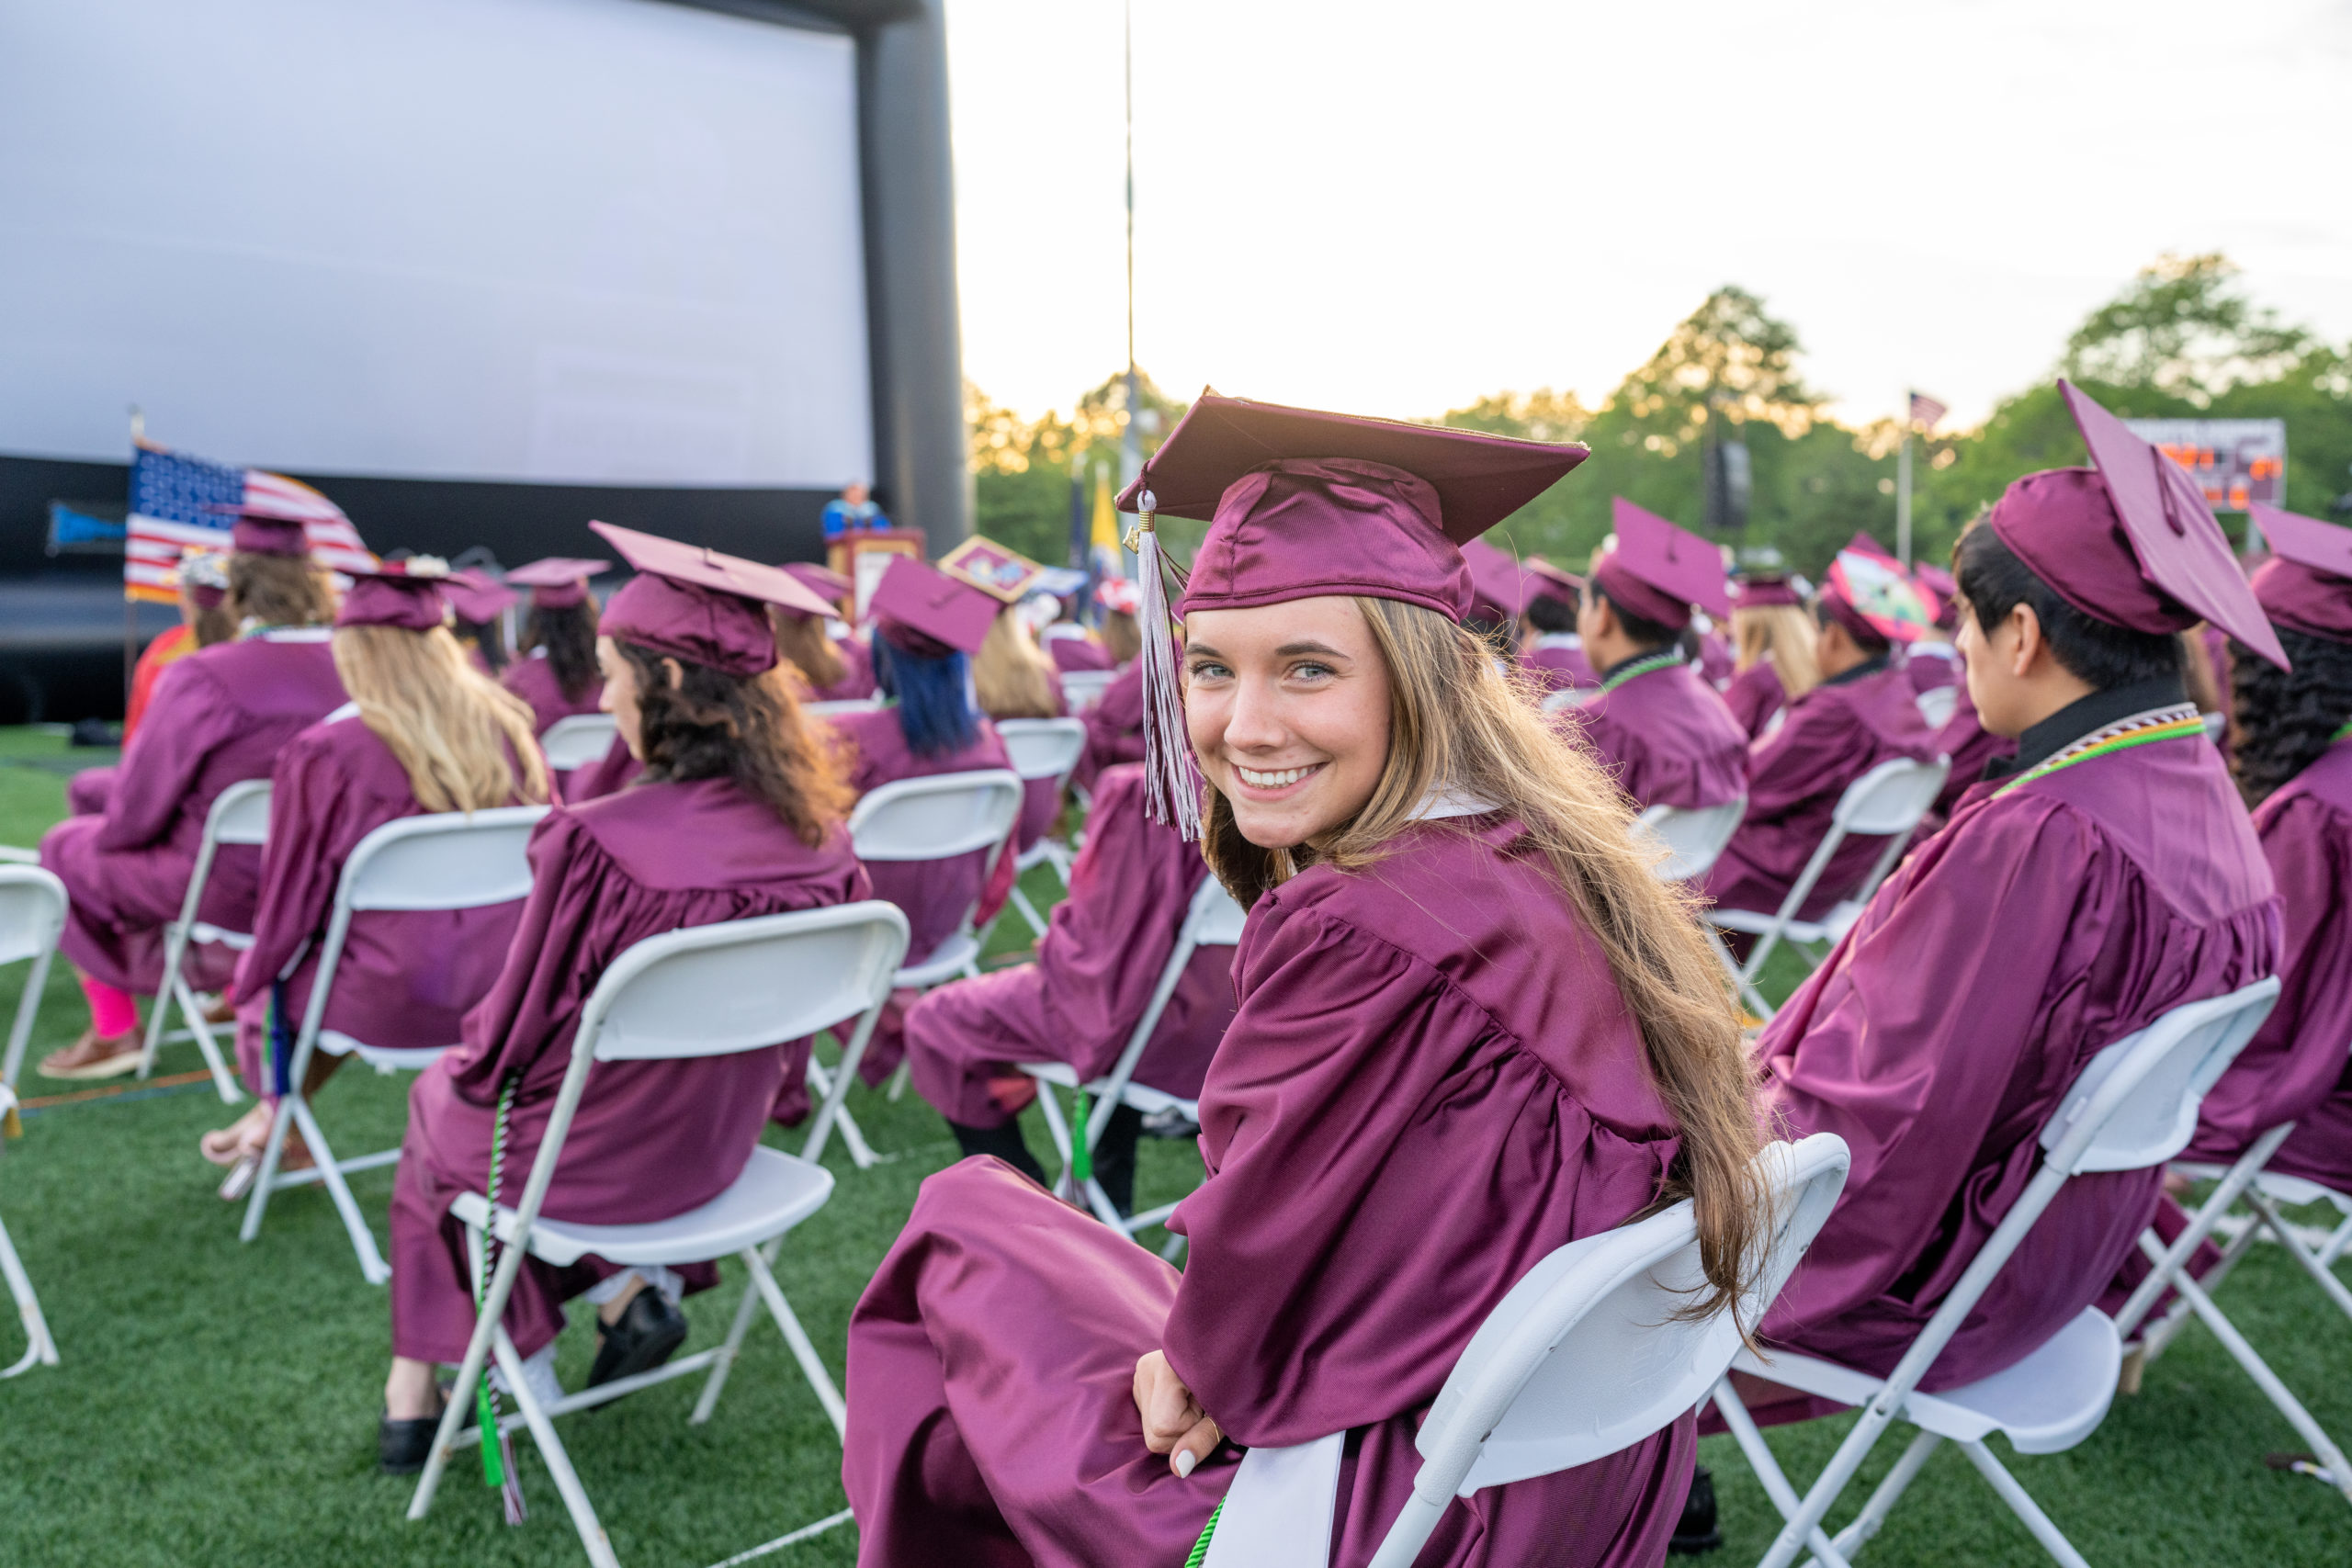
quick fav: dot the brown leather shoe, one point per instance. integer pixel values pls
(222, 1011)
(94, 1057)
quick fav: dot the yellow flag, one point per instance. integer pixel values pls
(1106, 516)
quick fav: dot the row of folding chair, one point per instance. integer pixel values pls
(1041, 748)
(32, 917)
(239, 815)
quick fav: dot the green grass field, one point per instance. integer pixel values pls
(216, 1401)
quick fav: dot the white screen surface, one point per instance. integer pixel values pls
(562, 241)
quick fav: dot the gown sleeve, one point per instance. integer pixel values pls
(188, 723)
(1804, 758)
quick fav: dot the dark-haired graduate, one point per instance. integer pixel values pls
(218, 718)
(2293, 760)
(425, 731)
(1549, 648)
(556, 670)
(1772, 651)
(738, 813)
(1863, 713)
(837, 669)
(1472, 1030)
(1658, 728)
(2105, 874)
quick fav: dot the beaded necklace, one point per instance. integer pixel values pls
(1642, 667)
(2176, 723)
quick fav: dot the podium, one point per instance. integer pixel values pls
(862, 555)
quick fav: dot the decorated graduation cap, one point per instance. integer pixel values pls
(1870, 596)
(2307, 582)
(264, 525)
(2130, 540)
(1300, 504)
(1944, 589)
(693, 602)
(1005, 575)
(410, 595)
(921, 609)
(557, 583)
(1660, 571)
(477, 596)
(1120, 595)
(205, 575)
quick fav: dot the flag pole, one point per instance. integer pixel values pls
(130, 604)
(1902, 490)
(1131, 439)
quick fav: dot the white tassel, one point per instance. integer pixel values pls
(1171, 786)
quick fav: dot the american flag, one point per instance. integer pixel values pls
(169, 493)
(1925, 412)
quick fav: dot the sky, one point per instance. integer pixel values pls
(1394, 208)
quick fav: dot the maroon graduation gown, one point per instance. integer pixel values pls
(1556, 660)
(1114, 726)
(2039, 928)
(1431, 1083)
(1097, 967)
(1666, 738)
(1931, 666)
(1715, 658)
(532, 678)
(2297, 1067)
(1072, 648)
(1834, 734)
(219, 716)
(1755, 694)
(406, 976)
(857, 681)
(87, 791)
(651, 1139)
(600, 779)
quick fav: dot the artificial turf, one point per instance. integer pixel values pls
(216, 1401)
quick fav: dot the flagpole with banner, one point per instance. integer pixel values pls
(1920, 412)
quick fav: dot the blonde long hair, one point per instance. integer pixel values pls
(1012, 677)
(1784, 631)
(451, 727)
(1455, 721)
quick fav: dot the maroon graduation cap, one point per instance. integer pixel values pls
(410, 594)
(2307, 582)
(557, 582)
(1660, 569)
(923, 611)
(693, 602)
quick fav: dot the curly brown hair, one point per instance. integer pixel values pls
(712, 725)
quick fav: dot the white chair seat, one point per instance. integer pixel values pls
(2044, 1405)
(203, 932)
(944, 964)
(1828, 930)
(776, 1192)
(1144, 1097)
(2279, 1188)
(383, 1058)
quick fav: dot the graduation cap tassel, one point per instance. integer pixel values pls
(1169, 795)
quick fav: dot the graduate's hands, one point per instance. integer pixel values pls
(1173, 1422)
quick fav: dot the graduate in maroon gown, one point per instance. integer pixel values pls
(555, 669)
(1096, 968)
(1012, 676)
(425, 732)
(739, 814)
(2293, 761)
(1549, 648)
(1433, 1078)
(1073, 647)
(202, 581)
(2103, 876)
(851, 656)
(1656, 727)
(1772, 663)
(1863, 713)
(1114, 726)
(221, 714)
(1933, 661)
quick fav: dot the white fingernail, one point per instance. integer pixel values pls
(1183, 1463)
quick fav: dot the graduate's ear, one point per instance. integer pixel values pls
(672, 674)
(2025, 626)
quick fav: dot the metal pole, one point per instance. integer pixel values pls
(1131, 440)
(1902, 495)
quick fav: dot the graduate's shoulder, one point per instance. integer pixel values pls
(1435, 888)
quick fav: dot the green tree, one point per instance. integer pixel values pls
(2182, 328)
(1022, 469)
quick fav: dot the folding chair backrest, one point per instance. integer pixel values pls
(1938, 705)
(452, 859)
(2135, 1105)
(1585, 1357)
(1043, 748)
(1891, 797)
(1214, 919)
(239, 814)
(846, 705)
(1083, 688)
(1692, 838)
(32, 912)
(713, 990)
(578, 740)
(937, 817)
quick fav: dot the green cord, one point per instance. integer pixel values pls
(1201, 1547)
(494, 1473)
(1642, 666)
(2179, 730)
(1081, 1159)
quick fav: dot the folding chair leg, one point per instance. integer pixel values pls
(39, 1347)
(1804, 1525)
(2154, 1340)
(1873, 1518)
(273, 1153)
(559, 1463)
(899, 1081)
(821, 1382)
(2023, 1507)
(192, 1010)
(363, 1240)
(1768, 1472)
(723, 1362)
(2320, 1272)
(1749, 995)
(2200, 1225)
(2335, 1247)
(159, 1011)
(1028, 910)
(494, 1307)
(1049, 1106)
(830, 1113)
(2287, 1405)
(21, 1031)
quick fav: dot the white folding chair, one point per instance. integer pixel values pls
(2264, 1191)
(1691, 837)
(2133, 1106)
(1214, 919)
(240, 815)
(1566, 697)
(705, 991)
(578, 740)
(1888, 802)
(1083, 688)
(446, 861)
(1041, 748)
(32, 917)
(1937, 706)
(1585, 1356)
(847, 704)
(39, 1347)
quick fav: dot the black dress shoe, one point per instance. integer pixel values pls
(649, 1333)
(1697, 1532)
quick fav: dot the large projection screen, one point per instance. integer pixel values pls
(588, 242)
